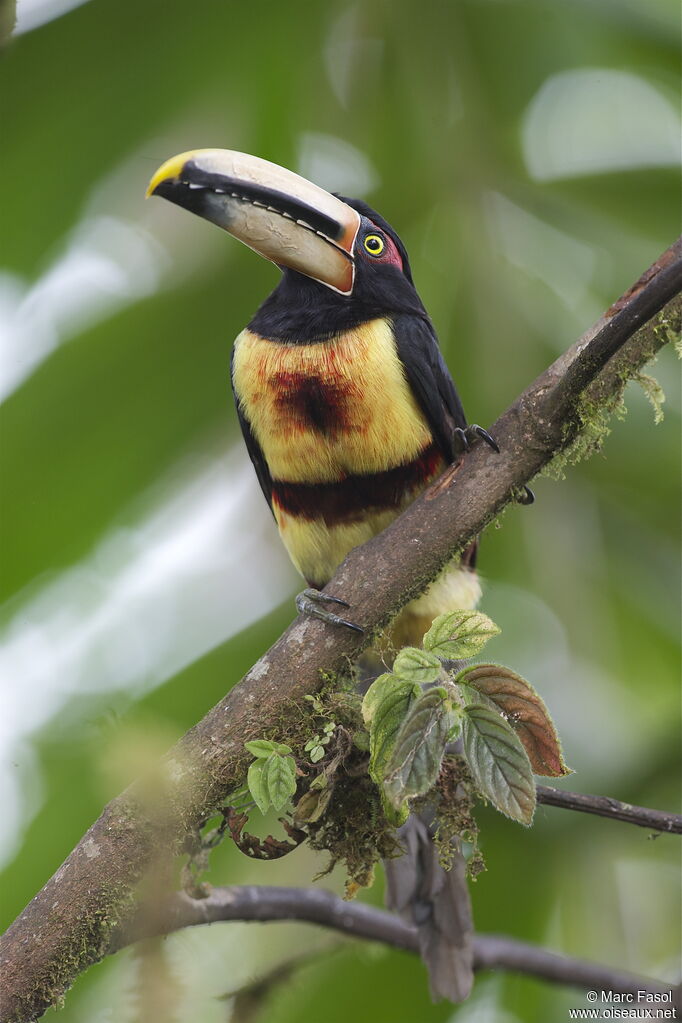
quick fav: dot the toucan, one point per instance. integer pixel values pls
(348, 412)
(344, 399)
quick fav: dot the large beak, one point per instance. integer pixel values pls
(275, 212)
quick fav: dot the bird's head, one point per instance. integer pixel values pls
(341, 261)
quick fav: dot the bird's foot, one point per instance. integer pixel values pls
(469, 434)
(308, 603)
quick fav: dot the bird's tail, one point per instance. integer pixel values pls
(436, 902)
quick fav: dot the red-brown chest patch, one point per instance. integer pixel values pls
(328, 410)
(310, 402)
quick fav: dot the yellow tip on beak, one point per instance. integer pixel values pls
(170, 169)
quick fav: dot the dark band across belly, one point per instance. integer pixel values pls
(349, 499)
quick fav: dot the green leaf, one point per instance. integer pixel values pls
(525, 711)
(413, 665)
(280, 779)
(498, 762)
(384, 708)
(386, 726)
(264, 747)
(257, 783)
(419, 747)
(316, 753)
(459, 635)
(375, 694)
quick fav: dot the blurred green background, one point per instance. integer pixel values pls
(527, 152)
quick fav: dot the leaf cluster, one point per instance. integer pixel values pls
(433, 730)
(415, 711)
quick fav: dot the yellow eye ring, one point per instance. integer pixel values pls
(374, 244)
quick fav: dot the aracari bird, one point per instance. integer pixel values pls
(348, 412)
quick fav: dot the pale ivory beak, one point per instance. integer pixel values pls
(277, 213)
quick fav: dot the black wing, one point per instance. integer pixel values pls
(430, 380)
(253, 447)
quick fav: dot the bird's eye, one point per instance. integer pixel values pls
(374, 244)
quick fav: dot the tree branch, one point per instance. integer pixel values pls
(317, 906)
(68, 925)
(605, 806)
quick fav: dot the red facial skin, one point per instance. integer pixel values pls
(390, 254)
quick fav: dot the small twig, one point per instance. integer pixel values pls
(605, 806)
(317, 906)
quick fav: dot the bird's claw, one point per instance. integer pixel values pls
(488, 438)
(470, 433)
(525, 496)
(308, 603)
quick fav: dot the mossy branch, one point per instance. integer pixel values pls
(69, 923)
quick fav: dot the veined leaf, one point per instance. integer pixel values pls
(256, 781)
(375, 694)
(419, 747)
(498, 762)
(280, 779)
(459, 635)
(414, 665)
(384, 708)
(525, 711)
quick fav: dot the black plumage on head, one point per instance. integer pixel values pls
(301, 310)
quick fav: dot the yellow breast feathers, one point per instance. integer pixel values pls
(330, 409)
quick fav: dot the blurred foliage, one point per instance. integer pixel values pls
(428, 104)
